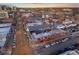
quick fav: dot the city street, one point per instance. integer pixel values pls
(22, 46)
(59, 47)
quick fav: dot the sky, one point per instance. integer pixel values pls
(32, 5)
(35, 5)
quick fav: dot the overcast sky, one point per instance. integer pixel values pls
(32, 5)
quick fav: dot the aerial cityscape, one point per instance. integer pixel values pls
(39, 29)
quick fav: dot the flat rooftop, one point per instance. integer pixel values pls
(3, 33)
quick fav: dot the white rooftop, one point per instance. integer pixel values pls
(3, 33)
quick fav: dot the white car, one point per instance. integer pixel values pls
(25, 33)
(57, 42)
(60, 26)
(14, 45)
(47, 46)
(53, 43)
(65, 40)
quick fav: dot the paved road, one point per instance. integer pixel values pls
(58, 47)
(22, 47)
